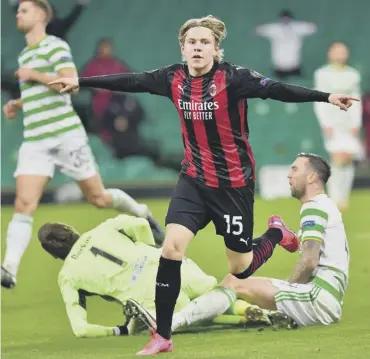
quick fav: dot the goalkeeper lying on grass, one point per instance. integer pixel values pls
(118, 261)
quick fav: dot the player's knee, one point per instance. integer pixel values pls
(231, 282)
(25, 205)
(341, 159)
(172, 249)
(176, 242)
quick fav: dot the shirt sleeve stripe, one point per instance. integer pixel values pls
(314, 212)
(312, 238)
(65, 65)
(312, 234)
(316, 227)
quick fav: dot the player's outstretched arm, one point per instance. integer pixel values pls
(76, 311)
(291, 93)
(251, 84)
(154, 82)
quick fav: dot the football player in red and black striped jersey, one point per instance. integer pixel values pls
(216, 183)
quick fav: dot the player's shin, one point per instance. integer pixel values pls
(168, 284)
(17, 239)
(335, 183)
(206, 307)
(238, 307)
(263, 248)
(123, 202)
(251, 313)
(349, 170)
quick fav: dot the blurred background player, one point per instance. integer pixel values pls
(117, 260)
(57, 26)
(286, 39)
(53, 135)
(341, 129)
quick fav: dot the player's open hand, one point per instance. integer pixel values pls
(344, 102)
(68, 84)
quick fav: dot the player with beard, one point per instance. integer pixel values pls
(315, 290)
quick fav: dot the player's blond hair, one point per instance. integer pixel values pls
(217, 27)
(43, 5)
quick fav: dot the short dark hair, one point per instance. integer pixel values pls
(319, 165)
(44, 5)
(286, 13)
(57, 239)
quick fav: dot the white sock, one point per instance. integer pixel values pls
(17, 239)
(335, 183)
(125, 203)
(349, 171)
(209, 305)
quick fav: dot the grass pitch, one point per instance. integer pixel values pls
(35, 325)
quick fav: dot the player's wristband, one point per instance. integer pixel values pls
(116, 331)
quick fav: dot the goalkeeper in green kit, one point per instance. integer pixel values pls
(118, 261)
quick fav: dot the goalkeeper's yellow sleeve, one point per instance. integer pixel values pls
(75, 306)
(137, 229)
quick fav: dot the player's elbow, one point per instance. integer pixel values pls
(80, 332)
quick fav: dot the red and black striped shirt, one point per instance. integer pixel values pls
(213, 113)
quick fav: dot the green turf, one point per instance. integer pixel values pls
(34, 324)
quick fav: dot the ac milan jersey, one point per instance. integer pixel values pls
(213, 113)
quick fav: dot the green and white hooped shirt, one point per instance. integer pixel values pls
(322, 221)
(47, 113)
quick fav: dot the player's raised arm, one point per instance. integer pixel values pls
(251, 84)
(137, 229)
(154, 82)
(76, 310)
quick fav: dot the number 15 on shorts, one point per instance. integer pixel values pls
(234, 224)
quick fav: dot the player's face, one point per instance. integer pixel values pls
(199, 48)
(298, 177)
(105, 50)
(338, 53)
(28, 15)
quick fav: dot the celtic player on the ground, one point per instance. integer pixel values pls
(314, 292)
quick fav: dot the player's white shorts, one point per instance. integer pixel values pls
(307, 304)
(69, 152)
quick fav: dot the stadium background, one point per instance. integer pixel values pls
(144, 35)
(34, 322)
